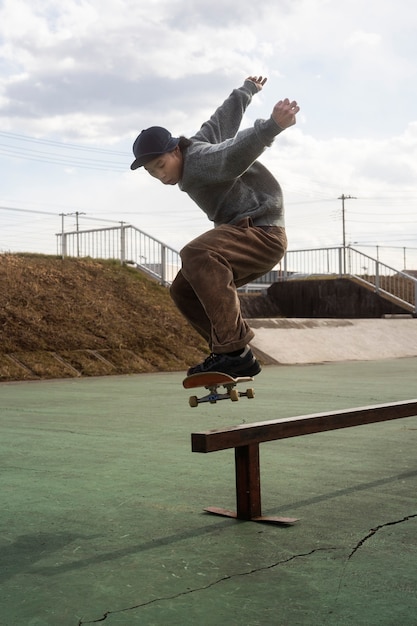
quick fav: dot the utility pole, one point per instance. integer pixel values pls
(77, 228)
(63, 235)
(122, 243)
(343, 198)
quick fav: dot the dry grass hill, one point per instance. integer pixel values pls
(83, 317)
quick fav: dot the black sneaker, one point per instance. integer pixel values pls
(244, 364)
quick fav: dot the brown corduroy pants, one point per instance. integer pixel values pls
(214, 265)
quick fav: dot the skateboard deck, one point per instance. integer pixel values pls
(213, 381)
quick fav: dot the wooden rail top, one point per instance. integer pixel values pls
(258, 432)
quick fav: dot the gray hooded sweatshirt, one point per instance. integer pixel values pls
(221, 173)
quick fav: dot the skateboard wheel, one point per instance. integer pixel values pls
(193, 401)
(234, 395)
(250, 393)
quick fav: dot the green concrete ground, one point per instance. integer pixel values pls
(101, 511)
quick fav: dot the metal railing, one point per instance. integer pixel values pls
(130, 245)
(385, 280)
(125, 243)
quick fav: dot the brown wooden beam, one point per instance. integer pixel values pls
(258, 432)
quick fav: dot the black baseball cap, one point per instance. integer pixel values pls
(151, 143)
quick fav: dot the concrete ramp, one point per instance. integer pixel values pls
(302, 341)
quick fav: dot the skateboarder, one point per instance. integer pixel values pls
(218, 168)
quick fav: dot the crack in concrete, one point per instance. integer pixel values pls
(205, 587)
(373, 531)
(360, 543)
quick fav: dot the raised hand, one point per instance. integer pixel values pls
(284, 113)
(258, 80)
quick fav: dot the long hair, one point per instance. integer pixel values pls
(184, 143)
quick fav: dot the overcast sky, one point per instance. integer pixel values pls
(80, 79)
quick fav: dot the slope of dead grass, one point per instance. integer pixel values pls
(84, 317)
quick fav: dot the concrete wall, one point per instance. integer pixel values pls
(334, 298)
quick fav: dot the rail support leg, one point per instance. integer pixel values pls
(248, 489)
(248, 482)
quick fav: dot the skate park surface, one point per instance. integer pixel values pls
(102, 518)
(309, 340)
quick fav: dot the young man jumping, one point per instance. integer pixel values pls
(218, 168)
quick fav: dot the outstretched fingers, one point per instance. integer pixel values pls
(284, 112)
(258, 80)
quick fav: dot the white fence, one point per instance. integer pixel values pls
(126, 243)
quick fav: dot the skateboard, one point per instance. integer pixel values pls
(212, 381)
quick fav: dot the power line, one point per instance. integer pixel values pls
(36, 211)
(62, 144)
(62, 160)
(65, 154)
(8, 208)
